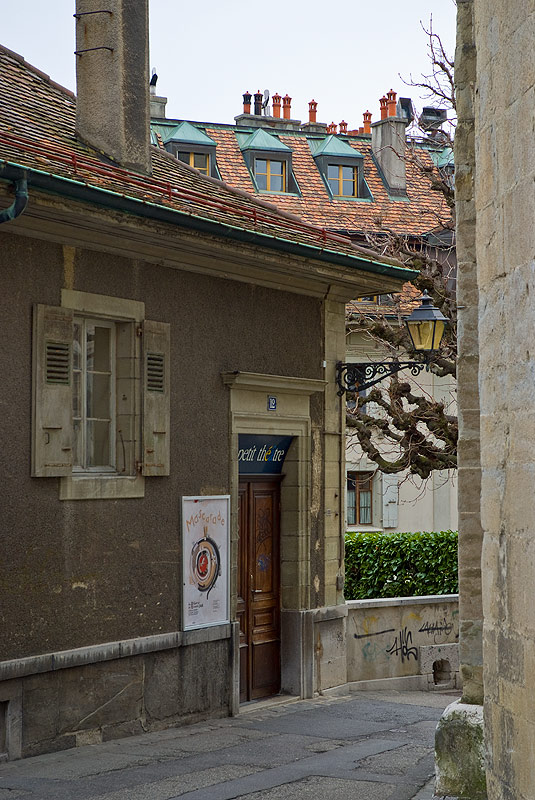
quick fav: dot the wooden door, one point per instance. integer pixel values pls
(259, 587)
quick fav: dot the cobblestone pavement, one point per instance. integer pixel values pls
(363, 746)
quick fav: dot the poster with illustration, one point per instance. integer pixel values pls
(205, 548)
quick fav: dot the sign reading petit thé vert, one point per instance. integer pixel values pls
(262, 455)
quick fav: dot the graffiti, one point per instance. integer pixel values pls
(370, 651)
(377, 633)
(401, 646)
(437, 629)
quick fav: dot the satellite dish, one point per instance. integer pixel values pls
(154, 77)
(265, 105)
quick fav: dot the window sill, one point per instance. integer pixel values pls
(101, 487)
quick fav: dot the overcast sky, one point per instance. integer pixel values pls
(344, 54)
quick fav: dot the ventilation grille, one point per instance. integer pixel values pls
(155, 372)
(58, 362)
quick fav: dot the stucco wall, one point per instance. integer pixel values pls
(83, 572)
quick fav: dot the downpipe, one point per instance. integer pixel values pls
(19, 204)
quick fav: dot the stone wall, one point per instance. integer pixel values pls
(505, 247)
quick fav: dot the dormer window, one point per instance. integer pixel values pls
(269, 161)
(342, 180)
(194, 147)
(341, 167)
(270, 175)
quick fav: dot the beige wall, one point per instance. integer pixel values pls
(505, 242)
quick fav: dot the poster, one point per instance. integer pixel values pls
(205, 548)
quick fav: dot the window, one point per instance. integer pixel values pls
(95, 423)
(359, 498)
(342, 180)
(270, 175)
(200, 161)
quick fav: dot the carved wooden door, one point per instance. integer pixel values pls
(259, 587)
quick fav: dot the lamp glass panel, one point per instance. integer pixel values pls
(422, 334)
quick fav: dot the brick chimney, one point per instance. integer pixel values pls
(388, 147)
(367, 116)
(112, 107)
(276, 105)
(312, 112)
(287, 107)
(247, 103)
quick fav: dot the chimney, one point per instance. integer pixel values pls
(312, 111)
(286, 106)
(383, 102)
(367, 122)
(388, 148)
(247, 103)
(112, 106)
(276, 106)
(391, 103)
(361, 131)
(258, 103)
(332, 128)
(343, 127)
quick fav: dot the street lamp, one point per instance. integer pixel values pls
(426, 327)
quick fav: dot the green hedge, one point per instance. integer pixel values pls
(400, 564)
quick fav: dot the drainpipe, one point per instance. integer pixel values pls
(19, 204)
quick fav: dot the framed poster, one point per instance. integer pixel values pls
(205, 561)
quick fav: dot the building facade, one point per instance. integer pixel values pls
(172, 512)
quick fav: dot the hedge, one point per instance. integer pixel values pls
(400, 564)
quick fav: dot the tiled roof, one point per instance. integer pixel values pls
(403, 303)
(37, 126)
(424, 211)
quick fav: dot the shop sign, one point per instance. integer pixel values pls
(262, 455)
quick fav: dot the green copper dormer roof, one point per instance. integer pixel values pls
(262, 140)
(189, 134)
(332, 146)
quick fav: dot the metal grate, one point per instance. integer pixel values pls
(155, 372)
(58, 362)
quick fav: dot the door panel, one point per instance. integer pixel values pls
(258, 588)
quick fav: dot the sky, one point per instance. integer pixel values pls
(345, 56)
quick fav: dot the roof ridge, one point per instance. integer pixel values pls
(37, 71)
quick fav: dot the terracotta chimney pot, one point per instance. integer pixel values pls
(286, 106)
(312, 111)
(343, 127)
(383, 102)
(367, 122)
(276, 105)
(247, 103)
(391, 103)
(258, 103)
(361, 131)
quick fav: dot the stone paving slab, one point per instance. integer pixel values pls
(372, 746)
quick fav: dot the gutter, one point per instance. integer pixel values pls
(66, 187)
(20, 202)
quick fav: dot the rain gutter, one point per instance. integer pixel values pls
(20, 202)
(66, 187)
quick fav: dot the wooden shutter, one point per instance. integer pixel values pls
(390, 501)
(52, 391)
(156, 400)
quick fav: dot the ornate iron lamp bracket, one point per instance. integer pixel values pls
(357, 377)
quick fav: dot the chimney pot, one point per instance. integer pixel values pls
(276, 105)
(361, 130)
(367, 122)
(312, 111)
(247, 103)
(286, 106)
(258, 103)
(343, 127)
(383, 102)
(391, 103)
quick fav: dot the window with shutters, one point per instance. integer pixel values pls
(101, 396)
(359, 498)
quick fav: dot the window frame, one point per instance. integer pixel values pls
(323, 162)
(186, 153)
(268, 173)
(359, 479)
(340, 180)
(252, 155)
